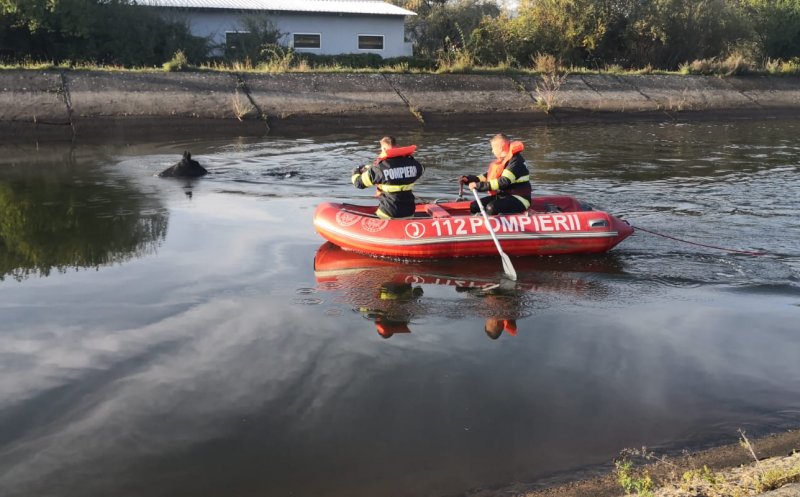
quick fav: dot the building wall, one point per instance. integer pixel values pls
(339, 32)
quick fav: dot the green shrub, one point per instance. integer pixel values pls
(258, 35)
(178, 62)
(735, 64)
(632, 481)
(790, 67)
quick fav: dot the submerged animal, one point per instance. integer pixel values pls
(186, 168)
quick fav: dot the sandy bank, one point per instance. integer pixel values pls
(81, 102)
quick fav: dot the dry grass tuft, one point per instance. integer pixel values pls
(550, 81)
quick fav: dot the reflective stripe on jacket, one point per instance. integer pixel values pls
(394, 175)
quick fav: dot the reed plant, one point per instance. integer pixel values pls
(551, 77)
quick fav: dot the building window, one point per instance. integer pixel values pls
(370, 42)
(306, 40)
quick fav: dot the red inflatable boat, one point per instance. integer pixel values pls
(553, 225)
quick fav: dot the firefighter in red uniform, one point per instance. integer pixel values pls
(393, 173)
(508, 180)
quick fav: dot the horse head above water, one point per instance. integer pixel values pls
(186, 168)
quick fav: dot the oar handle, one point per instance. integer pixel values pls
(486, 218)
(508, 267)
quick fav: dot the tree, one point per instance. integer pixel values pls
(441, 23)
(775, 26)
(104, 31)
(29, 13)
(630, 33)
(259, 32)
(666, 33)
(574, 31)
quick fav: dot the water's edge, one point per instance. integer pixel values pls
(87, 102)
(601, 482)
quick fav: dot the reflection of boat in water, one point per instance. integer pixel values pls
(553, 225)
(391, 293)
(333, 264)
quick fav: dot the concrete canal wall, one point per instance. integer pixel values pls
(90, 102)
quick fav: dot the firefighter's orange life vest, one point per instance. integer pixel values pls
(387, 329)
(498, 165)
(396, 152)
(510, 326)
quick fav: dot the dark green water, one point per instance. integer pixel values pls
(170, 338)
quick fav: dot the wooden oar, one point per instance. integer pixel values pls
(508, 268)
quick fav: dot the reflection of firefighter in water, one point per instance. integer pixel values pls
(395, 315)
(495, 327)
(502, 303)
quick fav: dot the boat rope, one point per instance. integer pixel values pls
(747, 252)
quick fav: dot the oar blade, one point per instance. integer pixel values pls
(508, 267)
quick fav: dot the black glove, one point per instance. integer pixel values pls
(468, 179)
(358, 170)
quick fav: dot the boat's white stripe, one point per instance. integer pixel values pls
(342, 272)
(325, 225)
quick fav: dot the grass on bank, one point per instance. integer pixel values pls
(279, 60)
(74, 66)
(747, 480)
(736, 65)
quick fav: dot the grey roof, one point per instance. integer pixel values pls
(333, 6)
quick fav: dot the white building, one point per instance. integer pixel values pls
(326, 27)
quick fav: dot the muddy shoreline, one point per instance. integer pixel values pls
(84, 103)
(601, 482)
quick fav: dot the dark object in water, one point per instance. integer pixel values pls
(282, 174)
(186, 168)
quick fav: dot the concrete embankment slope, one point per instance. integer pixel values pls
(81, 102)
